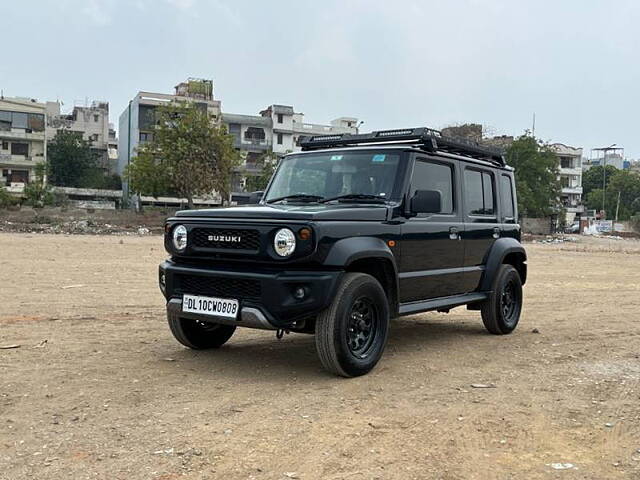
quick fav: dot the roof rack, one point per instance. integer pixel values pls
(426, 138)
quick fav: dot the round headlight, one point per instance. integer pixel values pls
(284, 243)
(180, 238)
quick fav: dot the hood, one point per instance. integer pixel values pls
(351, 211)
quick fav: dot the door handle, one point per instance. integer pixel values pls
(496, 232)
(454, 234)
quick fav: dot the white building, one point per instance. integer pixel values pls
(23, 141)
(277, 129)
(138, 120)
(92, 122)
(570, 164)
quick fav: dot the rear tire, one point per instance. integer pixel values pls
(351, 334)
(501, 311)
(199, 335)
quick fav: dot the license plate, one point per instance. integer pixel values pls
(218, 307)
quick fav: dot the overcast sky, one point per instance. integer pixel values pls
(575, 63)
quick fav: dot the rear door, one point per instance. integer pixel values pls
(480, 213)
(431, 246)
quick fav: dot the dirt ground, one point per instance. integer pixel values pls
(98, 388)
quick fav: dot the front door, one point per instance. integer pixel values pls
(432, 250)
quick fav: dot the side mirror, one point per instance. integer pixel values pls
(426, 201)
(255, 197)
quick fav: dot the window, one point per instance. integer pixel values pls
(279, 139)
(5, 120)
(19, 148)
(146, 117)
(19, 120)
(566, 162)
(331, 174)
(96, 118)
(146, 137)
(279, 118)
(479, 192)
(35, 122)
(508, 208)
(434, 176)
(5, 145)
(254, 133)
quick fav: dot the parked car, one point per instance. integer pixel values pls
(350, 233)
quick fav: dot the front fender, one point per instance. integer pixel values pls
(498, 252)
(349, 250)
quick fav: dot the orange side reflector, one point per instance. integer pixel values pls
(391, 243)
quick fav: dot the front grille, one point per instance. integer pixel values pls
(218, 286)
(231, 239)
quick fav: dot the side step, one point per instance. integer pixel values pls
(441, 303)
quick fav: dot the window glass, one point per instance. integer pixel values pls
(474, 198)
(487, 189)
(479, 193)
(508, 209)
(434, 176)
(36, 122)
(332, 174)
(146, 117)
(19, 120)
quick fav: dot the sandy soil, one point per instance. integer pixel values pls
(99, 389)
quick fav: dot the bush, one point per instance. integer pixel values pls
(6, 199)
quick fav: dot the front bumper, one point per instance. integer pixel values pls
(266, 296)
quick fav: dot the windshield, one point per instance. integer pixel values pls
(325, 176)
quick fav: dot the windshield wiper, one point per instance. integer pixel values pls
(297, 196)
(356, 197)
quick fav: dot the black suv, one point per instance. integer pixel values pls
(351, 232)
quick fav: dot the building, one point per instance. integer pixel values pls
(138, 120)
(614, 159)
(23, 142)
(276, 129)
(570, 168)
(92, 122)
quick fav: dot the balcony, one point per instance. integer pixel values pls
(574, 171)
(21, 135)
(254, 145)
(572, 190)
(19, 160)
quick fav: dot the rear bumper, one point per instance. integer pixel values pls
(266, 296)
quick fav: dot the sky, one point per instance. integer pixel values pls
(391, 63)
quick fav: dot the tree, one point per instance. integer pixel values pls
(38, 193)
(536, 173)
(147, 175)
(592, 178)
(71, 161)
(623, 184)
(267, 164)
(198, 155)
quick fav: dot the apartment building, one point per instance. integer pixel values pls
(276, 129)
(92, 122)
(138, 120)
(22, 140)
(570, 168)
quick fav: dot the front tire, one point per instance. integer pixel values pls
(199, 335)
(351, 334)
(501, 311)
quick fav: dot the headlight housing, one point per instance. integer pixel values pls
(180, 238)
(284, 242)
